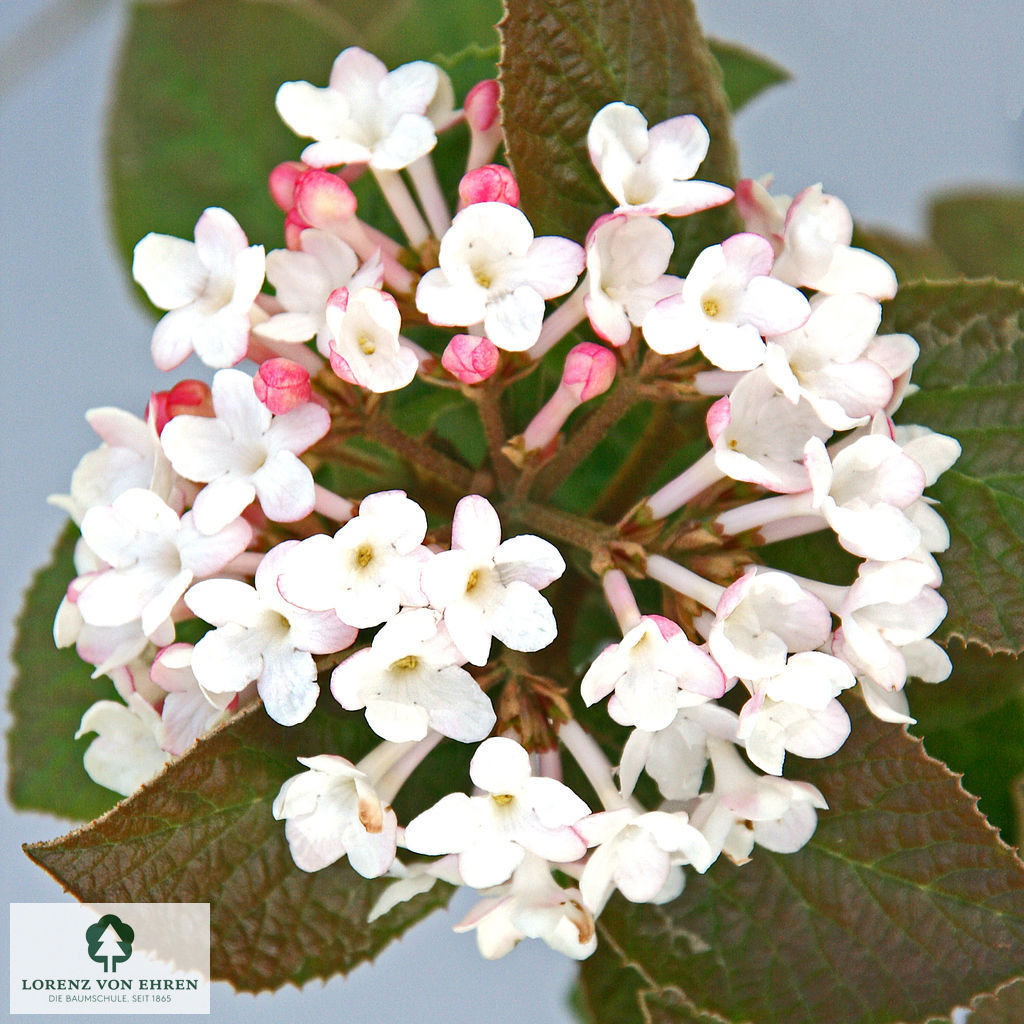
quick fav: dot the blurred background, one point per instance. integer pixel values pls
(890, 102)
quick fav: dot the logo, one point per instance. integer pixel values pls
(110, 941)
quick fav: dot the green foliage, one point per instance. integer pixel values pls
(564, 60)
(52, 690)
(982, 232)
(971, 376)
(745, 74)
(903, 905)
(202, 831)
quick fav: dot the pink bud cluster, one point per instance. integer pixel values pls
(212, 508)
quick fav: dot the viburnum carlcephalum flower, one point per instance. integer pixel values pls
(207, 285)
(260, 637)
(364, 341)
(153, 557)
(492, 271)
(304, 279)
(130, 456)
(640, 854)
(648, 171)
(489, 588)
(366, 114)
(761, 619)
(245, 453)
(626, 262)
(653, 672)
(125, 753)
(369, 569)
(332, 810)
(745, 808)
(532, 906)
(727, 302)
(410, 680)
(492, 834)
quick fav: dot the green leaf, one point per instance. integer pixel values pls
(974, 721)
(563, 60)
(903, 905)
(202, 831)
(971, 375)
(193, 122)
(745, 74)
(52, 690)
(982, 232)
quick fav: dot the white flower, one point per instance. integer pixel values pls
(125, 753)
(726, 304)
(745, 808)
(654, 671)
(486, 588)
(130, 456)
(208, 286)
(532, 906)
(332, 810)
(261, 637)
(829, 361)
(760, 619)
(187, 712)
(368, 570)
(862, 493)
(759, 436)
(676, 756)
(493, 833)
(816, 251)
(245, 453)
(491, 270)
(409, 681)
(626, 262)
(366, 114)
(364, 341)
(153, 557)
(303, 281)
(648, 171)
(640, 854)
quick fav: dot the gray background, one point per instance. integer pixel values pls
(891, 100)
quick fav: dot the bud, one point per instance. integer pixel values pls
(470, 359)
(484, 119)
(187, 397)
(282, 385)
(294, 225)
(323, 200)
(491, 183)
(281, 182)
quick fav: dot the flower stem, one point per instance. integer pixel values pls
(590, 757)
(684, 582)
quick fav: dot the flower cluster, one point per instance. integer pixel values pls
(217, 514)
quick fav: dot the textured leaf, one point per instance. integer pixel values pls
(745, 74)
(903, 905)
(982, 232)
(563, 60)
(1003, 1007)
(971, 375)
(974, 721)
(203, 832)
(51, 692)
(193, 122)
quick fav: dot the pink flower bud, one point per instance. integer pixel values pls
(589, 370)
(282, 385)
(187, 397)
(294, 225)
(470, 359)
(282, 182)
(491, 183)
(323, 199)
(481, 105)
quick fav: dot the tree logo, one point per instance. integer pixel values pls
(110, 942)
